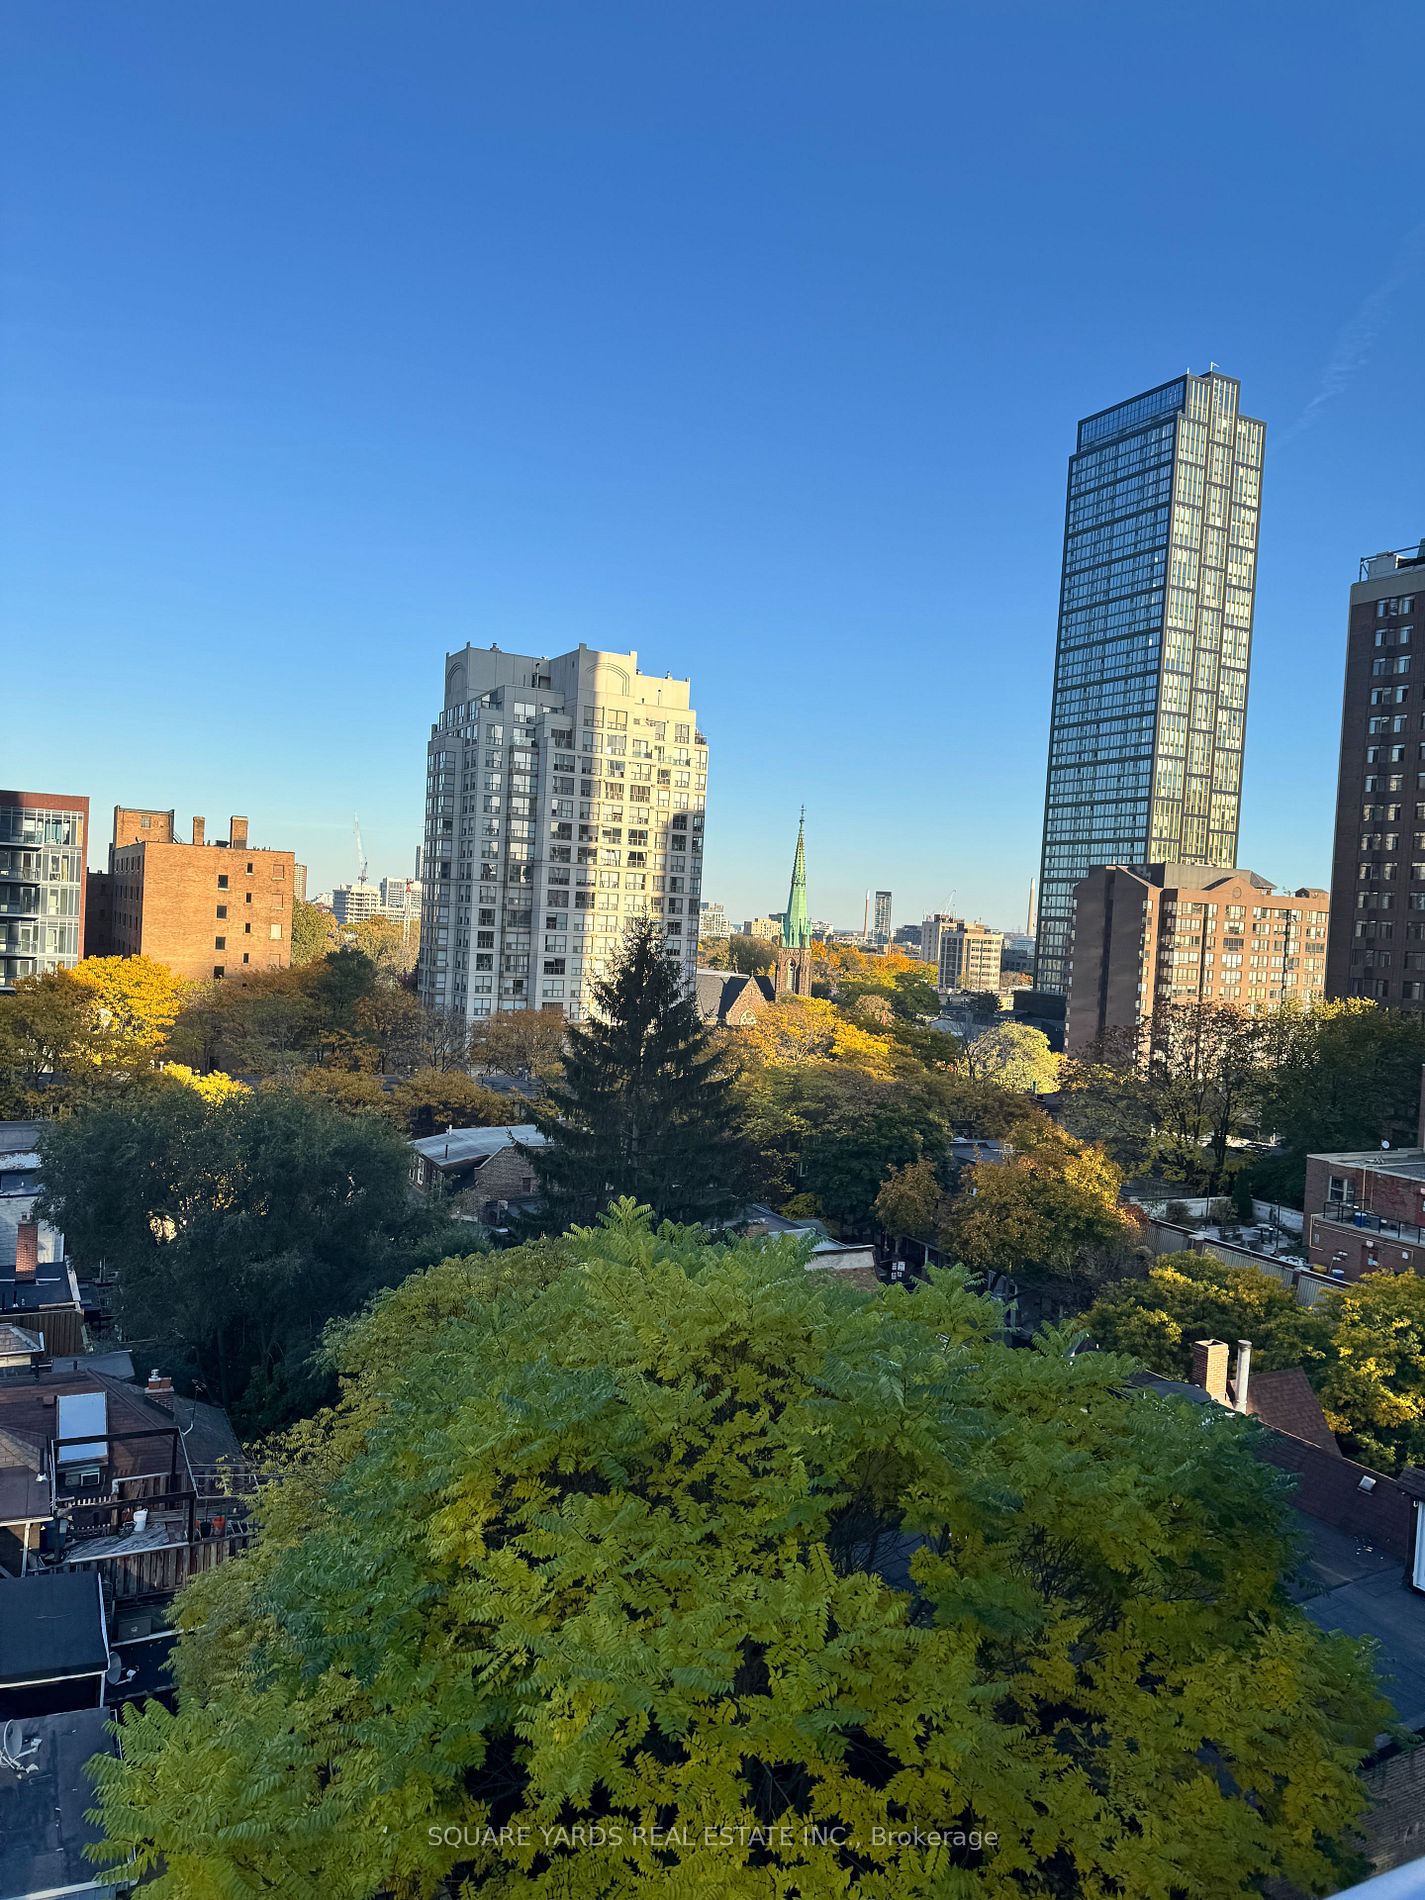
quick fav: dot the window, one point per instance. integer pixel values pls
(217, 969)
(222, 910)
(275, 932)
(222, 880)
(220, 943)
(249, 868)
(247, 897)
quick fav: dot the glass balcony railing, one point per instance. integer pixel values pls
(1344, 1215)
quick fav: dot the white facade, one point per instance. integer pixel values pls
(564, 798)
(354, 903)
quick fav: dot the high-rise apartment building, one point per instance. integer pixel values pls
(1146, 936)
(1377, 940)
(968, 955)
(205, 909)
(713, 925)
(564, 798)
(1155, 631)
(355, 903)
(881, 922)
(44, 837)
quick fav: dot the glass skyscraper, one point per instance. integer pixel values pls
(1155, 634)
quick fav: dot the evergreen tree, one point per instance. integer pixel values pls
(643, 1106)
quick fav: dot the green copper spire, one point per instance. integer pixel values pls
(796, 929)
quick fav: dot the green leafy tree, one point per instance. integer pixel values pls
(1013, 1056)
(644, 1106)
(524, 1042)
(1337, 1077)
(236, 1228)
(314, 932)
(1373, 1384)
(1204, 1065)
(1190, 1296)
(435, 1099)
(912, 1203)
(751, 956)
(1050, 1211)
(691, 1538)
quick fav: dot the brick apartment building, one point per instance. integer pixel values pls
(1377, 938)
(205, 908)
(1147, 935)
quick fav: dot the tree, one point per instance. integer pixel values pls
(527, 1042)
(134, 1002)
(644, 1104)
(1373, 1384)
(1049, 1210)
(314, 932)
(1337, 1077)
(750, 956)
(212, 1087)
(911, 1203)
(1105, 1097)
(236, 1228)
(1190, 1296)
(1204, 1063)
(392, 946)
(810, 1029)
(1013, 1056)
(43, 1023)
(694, 1539)
(434, 1099)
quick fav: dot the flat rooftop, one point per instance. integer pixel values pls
(475, 1144)
(1349, 1585)
(43, 1829)
(1406, 1163)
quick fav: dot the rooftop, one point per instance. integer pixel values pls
(43, 1829)
(1347, 1584)
(1408, 1164)
(51, 1624)
(458, 1145)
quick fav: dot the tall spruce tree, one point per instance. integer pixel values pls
(643, 1107)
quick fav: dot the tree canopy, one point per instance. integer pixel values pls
(236, 1228)
(763, 1578)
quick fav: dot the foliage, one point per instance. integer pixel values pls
(644, 1103)
(1337, 1077)
(236, 1228)
(525, 1042)
(644, 1564)
(314, 932)
(1204, 1065)
(134, 1002)
(68, 1034)
(392, 945)
(1014, 1056)
(1373, 1387)
(803, 1030)
(1110, 1103)
(212, 1087)
(912, 1203)
(1191, 1296)
(435, 1099)
(1051, 1209)
(750, 956)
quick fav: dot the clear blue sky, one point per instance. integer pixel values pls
(751, 336)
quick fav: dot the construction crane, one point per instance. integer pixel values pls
(360, 852)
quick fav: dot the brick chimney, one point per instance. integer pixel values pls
(160, 1389)
(237, 833)
(200, 830)
(27, 1250)
(1209, 1368)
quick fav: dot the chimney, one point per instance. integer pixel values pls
(1209, 1368)
(160, 1389)
(200, 826)
(27, 1250)
(1244, 1374)
(237, 833)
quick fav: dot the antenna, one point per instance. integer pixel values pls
(360, 852)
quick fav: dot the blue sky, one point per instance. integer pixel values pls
(750, 336)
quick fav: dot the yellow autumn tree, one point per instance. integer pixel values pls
(133, 1004)
(804, 1030)
(213, 1087)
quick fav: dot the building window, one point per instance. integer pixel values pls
(222, 910)
(275, 932)
(222, 880)
(220, 943)
(217, 969)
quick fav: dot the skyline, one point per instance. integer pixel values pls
(329, 376)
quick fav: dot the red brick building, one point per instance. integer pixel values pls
(1377, 938)
(205, 909)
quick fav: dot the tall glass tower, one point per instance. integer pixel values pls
(1155, 634)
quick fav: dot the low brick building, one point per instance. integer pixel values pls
(490, 1166)
(204, 908)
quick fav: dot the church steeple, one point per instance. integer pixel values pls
(796, 926)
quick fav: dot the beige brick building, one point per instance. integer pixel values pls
(1147, 935)
(205, 909)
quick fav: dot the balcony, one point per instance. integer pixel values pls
(1363, 1220)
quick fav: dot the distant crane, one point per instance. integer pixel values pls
(361, 863)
